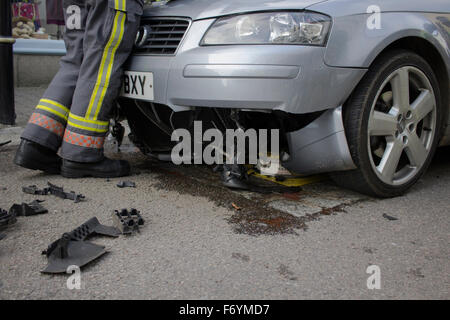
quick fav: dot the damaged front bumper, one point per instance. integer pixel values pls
(289, 78)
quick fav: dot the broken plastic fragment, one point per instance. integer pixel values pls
(126, 184)
(59, 192)
(33, 190)
(71, 249)
(68, 253)
(389, 217)
(91, 227)
(128, 221)
(54, 190)
(6, 219)
(27, 210)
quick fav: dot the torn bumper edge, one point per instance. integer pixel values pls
(321, 146)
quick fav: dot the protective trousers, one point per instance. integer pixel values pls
(73, 115)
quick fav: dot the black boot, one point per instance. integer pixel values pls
(33, 156)
(234, 177)
(106, 168)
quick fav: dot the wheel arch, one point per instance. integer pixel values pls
(355, 116)
(433, 57)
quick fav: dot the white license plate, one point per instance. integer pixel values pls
(138, 85)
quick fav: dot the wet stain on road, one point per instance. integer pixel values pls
(255, 216)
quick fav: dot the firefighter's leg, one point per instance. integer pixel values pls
(43, 135)
(110, 34)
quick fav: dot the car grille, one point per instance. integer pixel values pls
(164, 35)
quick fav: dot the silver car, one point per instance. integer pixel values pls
(358, 88)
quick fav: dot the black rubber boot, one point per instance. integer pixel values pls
(234, 177)
(33, 156)
(106, 168)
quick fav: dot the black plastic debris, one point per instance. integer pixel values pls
(55, 191)
(126, 184)
(60, 193)
(33, 190)
(389, 217)
(6, 219)
(5, 143)
(26, 210)
(128, 221)
(88, 229)
(72, 249)
(67, 252)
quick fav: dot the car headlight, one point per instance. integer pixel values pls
(304, 28)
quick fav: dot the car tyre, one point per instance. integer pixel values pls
(392, 121)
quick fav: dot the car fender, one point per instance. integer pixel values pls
(353, 44)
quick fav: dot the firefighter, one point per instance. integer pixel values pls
(73, 115)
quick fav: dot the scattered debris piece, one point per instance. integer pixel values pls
(236, 207)
(90, 228)
(417, 273)
(72, 249)
(55, 191)
(126, 184)
(26, 210)
(33, 190)
(389, 217)
(2, 236)
(6, 219)
(59, 192)
(5, 143)
(128, 221)
(66, 253)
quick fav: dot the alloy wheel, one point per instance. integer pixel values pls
(402, 126)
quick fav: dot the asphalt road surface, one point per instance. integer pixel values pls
(315, 243)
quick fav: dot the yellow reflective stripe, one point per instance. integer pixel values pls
(56, 104)
(102, 66)
(70, 123)
(110, 65)
(121, 5)
(99, 123)
(59, 114)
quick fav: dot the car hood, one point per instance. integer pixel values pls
(203, 9)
